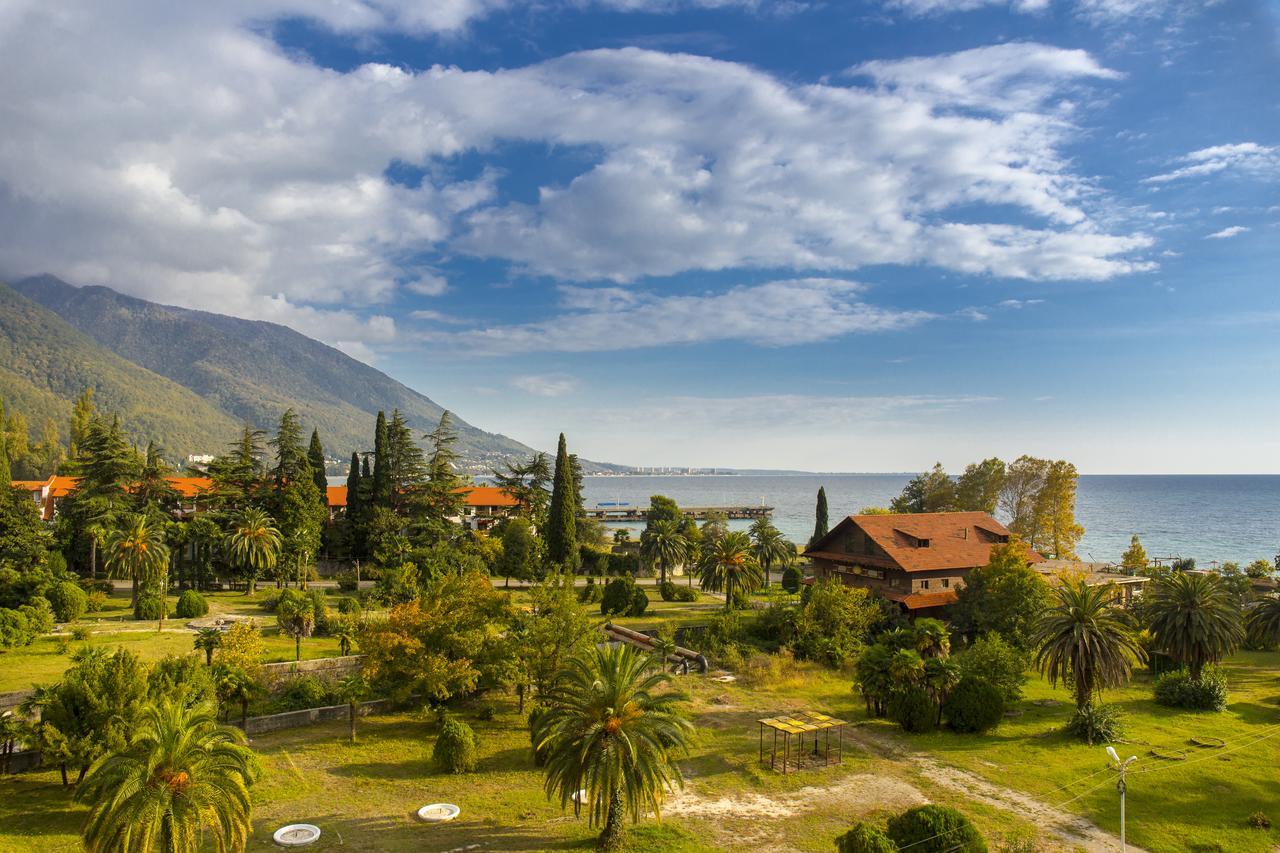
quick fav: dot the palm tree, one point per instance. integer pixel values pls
(728, 565)
(941, 675)
(663, 545)
(770, 548)
(182, 778)
(297, 619)
(233, 684)
(254, 543)
(933, 640)
(1084, 640)
(1194, 620)
(351, 690)
(1264, 622)
(137, 551)
(873, 677)
(609, 732)
(208, 639)
(344, 631)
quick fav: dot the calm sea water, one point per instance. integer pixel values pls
(1208, 517)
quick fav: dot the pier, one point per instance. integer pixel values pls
(625, 513)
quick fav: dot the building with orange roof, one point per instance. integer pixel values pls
(482, 506)
(919, 560)
(48, 494)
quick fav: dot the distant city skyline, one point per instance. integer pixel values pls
(756, 234)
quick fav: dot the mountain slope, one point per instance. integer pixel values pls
(254, 370)
(45, 364)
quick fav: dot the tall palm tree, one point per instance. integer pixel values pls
(1083, 640)
(663, 545)
(1194, 619)
(181, 780)
(207, 640)
(345, 631)
(728, 565)
(609, 732)
(254, 543)
(933, 640)
(771, 549)
(1264, 622)
(137, 551)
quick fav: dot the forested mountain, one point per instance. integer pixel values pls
(253, 370)
(45, 364)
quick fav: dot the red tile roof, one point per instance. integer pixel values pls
(336, 495)
(920, 600)
(190, 487)
(956, 540)
(487, 496)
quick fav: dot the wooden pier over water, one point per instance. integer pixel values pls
(626, 512)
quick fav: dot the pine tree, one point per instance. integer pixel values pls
(1135, 558)
(380, 492)
(315, 455)
(406, 467)
(562, 535)
(291, 459)
(441, 496)
(821, 523)
(82, 412)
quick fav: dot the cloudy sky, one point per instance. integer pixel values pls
(814, 234)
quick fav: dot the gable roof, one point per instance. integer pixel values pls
(956, 540)
(471, 496)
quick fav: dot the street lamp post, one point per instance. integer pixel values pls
(1122, 766)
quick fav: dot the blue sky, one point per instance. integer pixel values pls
(756, 233)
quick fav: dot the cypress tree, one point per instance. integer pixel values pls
(562, 534)
(353, 487)
(381, 492)
(821, 521)
(315, 455)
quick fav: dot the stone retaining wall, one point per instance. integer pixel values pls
(330, 669)
(309, 716)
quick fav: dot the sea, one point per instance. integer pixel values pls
(1211, 518)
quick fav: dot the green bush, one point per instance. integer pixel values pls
(639, 602)
(998, 662)
(96, 601)
(975, 705)
(80, 633)
(913, 709)
(455, 749)
(865, 838)
(151, 605)
(15, 630)
(1178, 689)
(1097, 724)
(349, 606)
(592, 593)
(323, 613)
(347, 582)
(1259, 820)
(271, 600)
(935, 829)
(686, 593)
(791, 583)
(539, 756)
(39, 613)
(68, 600)
(667, 590)
(191, 604)
(618, 597)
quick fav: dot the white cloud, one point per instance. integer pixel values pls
(1248, 158)
(555, 385)
(977, 315)
(1094, 11)
(779, 313)
(177, 153)
(1226, 233)
(1019, 303)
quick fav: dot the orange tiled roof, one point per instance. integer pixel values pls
(487, 496)
(920, 600)
(28, 485)
(336, 495)
(957, 540)
(190, 487)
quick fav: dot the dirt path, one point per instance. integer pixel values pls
(1075, 831)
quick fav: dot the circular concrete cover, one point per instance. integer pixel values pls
(296, 835)
(439, 812)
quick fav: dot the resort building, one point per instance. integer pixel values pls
(482, 506)
(1128, 587)
(48, 494)
(918, 560)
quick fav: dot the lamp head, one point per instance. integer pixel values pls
(1111, 750)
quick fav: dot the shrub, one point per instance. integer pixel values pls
(455, 749)
(913, 709)
(618, 596)
(865, 838)
(190, 605)
(1097, 723)
(741, 599)
(96, 601)
(791, 583)
(975, 705)
(105, 587)
(64, 645)
(68, 600)
(998, 662)
(80, 633)
(347, 582)
(592, 593)
(1178, 689)
(487, 712)
(151, 605)
(639, 602)
(667, 590)
(323, 613)
(935, 829)
(15, 630)
(348, 606)
(539, 756)
(270, 601)
(39, 614)
(686, 594)
(1258, 820)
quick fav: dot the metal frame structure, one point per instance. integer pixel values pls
(801, 723)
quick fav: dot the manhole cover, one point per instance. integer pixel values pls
(296, 835)
(439, 812)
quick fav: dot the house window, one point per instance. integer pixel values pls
(922, 543)
(924, 584)
(946, 583)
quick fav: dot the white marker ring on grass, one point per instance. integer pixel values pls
(439, 812)
(297, 835)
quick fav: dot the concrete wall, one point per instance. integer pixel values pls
(9, 701)
(330, 669)
(309, 716)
